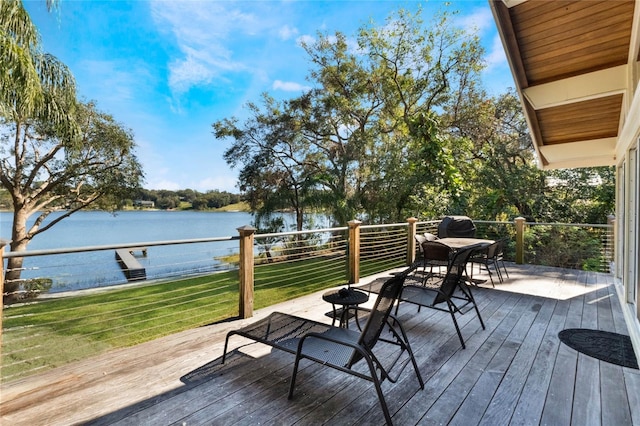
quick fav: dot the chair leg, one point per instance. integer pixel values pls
(383, 403)
(376, 383)
(292, 385)
(469, 295)
(226, 344)
(497, 268)
(407, 346)
(486, 265)
(475, 306)
(452, 311)
(505, 268)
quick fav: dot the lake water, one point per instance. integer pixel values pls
(99, 268)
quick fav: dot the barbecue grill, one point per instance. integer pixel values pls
(457, 227)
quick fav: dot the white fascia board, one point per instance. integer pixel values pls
(631, 128)
(512, 3)
(596, 152)
(580, 163)
(584, 87)
(634, 47)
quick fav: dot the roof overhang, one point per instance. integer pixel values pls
(575, 64)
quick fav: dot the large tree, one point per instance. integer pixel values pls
(501, 178)
(278, 165)
(496, 157)
(55, 153)
(34, 85)
(368, 130)
(45, 170)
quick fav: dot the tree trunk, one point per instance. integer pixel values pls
(299, 219)
(19, 242)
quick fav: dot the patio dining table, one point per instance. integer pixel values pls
(463, 243)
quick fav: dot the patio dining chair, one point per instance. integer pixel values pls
(430, 237)
(419, 262)
(487, 258)
(451, 294)
(342, 348)
(435, 255)
(499, 257)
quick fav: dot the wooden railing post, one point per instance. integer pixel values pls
(411, 240)
(246, 271)
(519, 221)
(2, 244)
(612, 247)
(354, 251)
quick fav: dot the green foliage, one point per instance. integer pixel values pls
(167, 199)
(5, 199)
(566, 247)
(278, 165)
(584, 195)
(32, 288)
(55, 152)
(366, 135)
(33, 84)
(401, 127)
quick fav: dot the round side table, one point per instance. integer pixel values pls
(346, 298)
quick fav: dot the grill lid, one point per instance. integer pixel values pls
(457, 227)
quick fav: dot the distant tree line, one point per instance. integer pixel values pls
(167, 200)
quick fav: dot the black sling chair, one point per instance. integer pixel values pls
(450, 291)
(341, 348)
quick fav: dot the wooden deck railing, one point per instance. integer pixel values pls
(337, 255)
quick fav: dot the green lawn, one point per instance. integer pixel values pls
(52, 332)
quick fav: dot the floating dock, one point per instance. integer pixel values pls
(132, 269)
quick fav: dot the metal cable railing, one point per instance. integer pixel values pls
(382, 247)
(51, 329)
(302, 262)
(56, 331)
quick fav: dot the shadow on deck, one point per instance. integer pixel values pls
(514, 372)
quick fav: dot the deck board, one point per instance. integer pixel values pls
(515, 372)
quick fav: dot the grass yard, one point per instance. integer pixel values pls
(48, 333)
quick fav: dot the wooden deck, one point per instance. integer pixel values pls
(514, 372)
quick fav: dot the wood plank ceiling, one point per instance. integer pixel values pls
(575, 64)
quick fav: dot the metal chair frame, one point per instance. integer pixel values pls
(450, 291)
(341, 348)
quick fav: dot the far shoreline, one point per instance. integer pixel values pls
(231, 208)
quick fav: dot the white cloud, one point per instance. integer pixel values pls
(289, 86)
(221, 183)
(481, 19)
(496, 56)
(203, 33)
(305, 39)
(286, 32)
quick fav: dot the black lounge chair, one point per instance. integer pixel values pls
(341, 348)
(452, 291)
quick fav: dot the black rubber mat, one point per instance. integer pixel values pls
(603, 345)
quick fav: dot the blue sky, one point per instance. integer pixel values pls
(169, 69)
